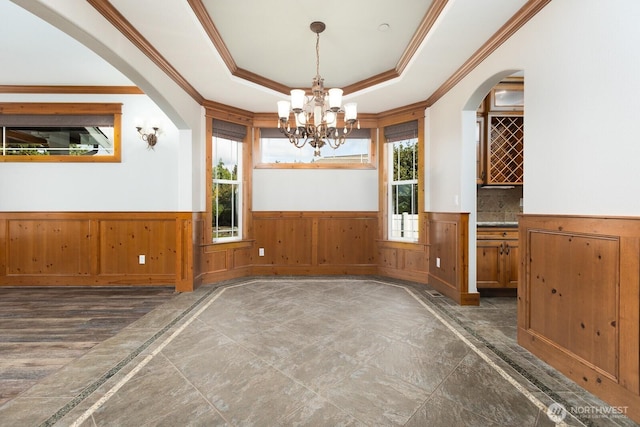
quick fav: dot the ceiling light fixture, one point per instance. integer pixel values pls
(316, 117)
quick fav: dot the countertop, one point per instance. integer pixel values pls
(510, 224)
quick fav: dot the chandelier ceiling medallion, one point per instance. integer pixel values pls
(316, 116)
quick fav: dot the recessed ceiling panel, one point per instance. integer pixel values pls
(272, 39)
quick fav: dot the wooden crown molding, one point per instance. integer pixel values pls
(90, 90)
(425, 26)
(526, 12)
(111, 14)
(207, 23)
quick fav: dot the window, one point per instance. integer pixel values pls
(275, 149)
(226, 174)
(402, 166)
(38, 132)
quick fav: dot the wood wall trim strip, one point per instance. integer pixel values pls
(111, 14)
(314, 214)
(88, 90)
(432, 15)
(528, 11)
(94, 215)
(46, 108)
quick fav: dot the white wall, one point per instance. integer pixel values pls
(315, 190)
(582, 81)
(145, 180)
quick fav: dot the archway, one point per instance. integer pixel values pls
(492, 262)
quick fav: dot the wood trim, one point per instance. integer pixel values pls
(53, 108)
(270, 120)
(111, 14)
(50, 108)
(203, 16)
(85, 90)
(402, 114)
(526, 12)
(449, 241)
(215, 110)
(425, 26)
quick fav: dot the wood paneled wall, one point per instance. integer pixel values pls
(579, 301)
(449, 247)
(314, 243)
(406, 260)
(96, 248)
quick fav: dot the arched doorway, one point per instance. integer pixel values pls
(493, 133)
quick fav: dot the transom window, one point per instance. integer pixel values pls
(402, 157)
(275, 149)
(38, 132)
(226, 173)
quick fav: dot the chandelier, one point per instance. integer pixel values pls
(316, 116)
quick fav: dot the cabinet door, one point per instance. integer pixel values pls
(489, 259)
(505, 149)
(512, 264)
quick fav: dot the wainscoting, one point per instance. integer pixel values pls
(314, 243)
(104, 248)
(449, 256)
(96, 248)
(579, 301)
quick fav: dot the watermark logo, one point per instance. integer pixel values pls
(556, 412)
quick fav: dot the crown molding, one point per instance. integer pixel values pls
(111, 14)
(423, 29)
(526, 12)
(101, 90)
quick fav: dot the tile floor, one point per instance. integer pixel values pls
(315, 352)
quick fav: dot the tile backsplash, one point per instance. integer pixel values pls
(499, 204)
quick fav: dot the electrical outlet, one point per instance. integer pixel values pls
(438, 262)
(261, 252)
(141, 259)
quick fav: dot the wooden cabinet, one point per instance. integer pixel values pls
(500, 135)
(497, 258)
(505, 148)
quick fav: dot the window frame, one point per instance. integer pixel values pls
(237, 181)
(67, 108)
(391, 183)
(386, 176)
(245, 200)
(265, 120)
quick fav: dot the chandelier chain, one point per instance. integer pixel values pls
(318, 55)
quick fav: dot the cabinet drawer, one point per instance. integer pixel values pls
(497, 233)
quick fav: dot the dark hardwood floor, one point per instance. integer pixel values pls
(44, 328)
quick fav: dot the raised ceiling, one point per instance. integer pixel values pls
(248, 53)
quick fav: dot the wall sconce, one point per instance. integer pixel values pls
(151, 138)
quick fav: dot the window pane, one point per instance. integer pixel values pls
(403, 191)
(405, 160)
(404, 221)
(226, 188)
(275, 148)
(57, 141)
(225, 206)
